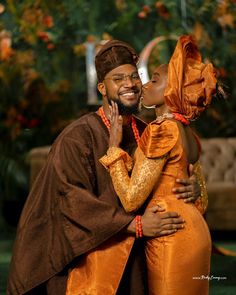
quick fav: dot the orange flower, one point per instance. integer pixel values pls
(2, 8)
(162, 10)
(142, 14)
(50, 46)
(5, 45)
(48, 21)
(43, 36)
(146, 8)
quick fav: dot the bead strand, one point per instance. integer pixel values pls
(108, 125)
(104, 118)
(135, 130)
(181, 118)
(138, 226)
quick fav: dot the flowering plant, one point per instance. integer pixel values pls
(43, 65)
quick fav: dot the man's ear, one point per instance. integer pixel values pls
(102, 89)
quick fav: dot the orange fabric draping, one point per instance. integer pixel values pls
(191, 83)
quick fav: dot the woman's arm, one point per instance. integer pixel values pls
(132, 191)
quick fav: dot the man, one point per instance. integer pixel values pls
(72, 208)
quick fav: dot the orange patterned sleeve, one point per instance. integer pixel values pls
(133, 191)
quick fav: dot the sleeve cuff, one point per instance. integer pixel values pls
(114, 154)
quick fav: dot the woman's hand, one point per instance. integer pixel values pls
(116, 126)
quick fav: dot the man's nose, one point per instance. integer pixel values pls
(128, 81)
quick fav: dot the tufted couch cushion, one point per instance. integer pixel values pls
(219, 166)
(219, 160)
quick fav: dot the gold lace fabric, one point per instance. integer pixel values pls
(114, 154)
(202, 202)
(133, 191)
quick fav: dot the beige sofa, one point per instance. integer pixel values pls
(219, 167)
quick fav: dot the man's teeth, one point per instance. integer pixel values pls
(128, 93)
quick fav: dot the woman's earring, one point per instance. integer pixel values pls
(140, 104)
(148, 107)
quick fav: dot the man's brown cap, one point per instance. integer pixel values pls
(113, 54)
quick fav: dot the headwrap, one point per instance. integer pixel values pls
(113, 54)
(191, 83)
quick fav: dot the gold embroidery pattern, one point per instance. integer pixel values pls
(202, 202)
(133, 191)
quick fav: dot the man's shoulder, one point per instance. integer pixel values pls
(88, 118)
(83, 123)
(141, 125)
(79, 128)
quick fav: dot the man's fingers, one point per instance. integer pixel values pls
(183, 181)
(172, 226)
(169, 214)
(167, 232)
(185, 195)
(183, 189)
(172, 221)
(190, 169)
(190, 200)
(156, 209)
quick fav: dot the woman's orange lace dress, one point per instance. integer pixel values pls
(178, 264)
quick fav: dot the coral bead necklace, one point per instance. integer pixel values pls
(108, 125)
(176, 116)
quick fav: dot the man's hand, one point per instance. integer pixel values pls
(155, 223)
(190, 189)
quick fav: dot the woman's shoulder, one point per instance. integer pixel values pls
(167, 125)
(159, 137)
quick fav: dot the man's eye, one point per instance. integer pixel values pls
(135, 76)
(117, 79)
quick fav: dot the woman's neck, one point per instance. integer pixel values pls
(160, 110)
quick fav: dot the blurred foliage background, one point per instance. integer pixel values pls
(43, 72)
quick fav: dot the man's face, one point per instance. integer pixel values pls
(123, 85)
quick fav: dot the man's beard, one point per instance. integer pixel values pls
(125, 110)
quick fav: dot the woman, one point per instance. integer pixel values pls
(180, 263)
